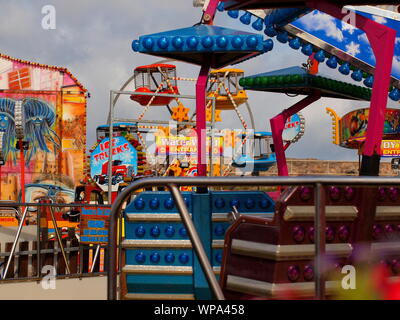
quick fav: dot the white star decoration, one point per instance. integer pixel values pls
(353, 48)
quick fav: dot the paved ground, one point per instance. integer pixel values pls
(94, 288)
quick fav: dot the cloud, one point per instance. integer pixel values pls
(318, 21)
(396, 63)
(379, 19)
(353, 48)
(348, 27)
(363, 38)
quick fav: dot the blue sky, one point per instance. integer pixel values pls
(93, 40)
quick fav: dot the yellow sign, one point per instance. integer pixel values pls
(390, 148)
(185, 146)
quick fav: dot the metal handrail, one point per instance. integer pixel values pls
(318, 181)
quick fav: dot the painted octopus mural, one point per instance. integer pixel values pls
(39, 119)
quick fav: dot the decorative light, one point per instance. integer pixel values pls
(169, 257)
(369, 81)
(169, 231)
(308, 273)
(155, 231)
(163, 42)
(235, 202)
(258, 24)
(295, 43)
(393, 193)
(377, 231)
(250, 204)
(349, 193)
(270, 31)
(222, 42)
(140, 231)
(155, 257)
(332, 62)
(233, 14)
(219, 203)
(154, 204)
(219, 230)
(330, 234)
(395, 94)
(320, 56)
(344, 233)
(307, 49)
(395, 266)
(246, 18)
(334, 193)
(184, 258)
(148, 43)
(305, 193)
(192, 42)
(183, 232)
(381, 194)
(218, 257)
(207, 42)
(169, 203)
(293, 273)
(357, 75)
(264, 203)
(140, 258)
(311, 234)
(139, 204)
(345, 69)
(298, 234)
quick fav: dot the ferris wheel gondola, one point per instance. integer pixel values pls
(151, 79)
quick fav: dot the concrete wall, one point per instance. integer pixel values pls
(319, 167)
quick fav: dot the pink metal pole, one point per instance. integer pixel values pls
(201, 89)
(382, 40)
(278, 125)
(209, 14)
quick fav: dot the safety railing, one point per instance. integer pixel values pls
(173, 184)
(72, 251)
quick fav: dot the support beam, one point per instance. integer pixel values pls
(201, 87)
(382, 40)
(278, 125)
(201, 92)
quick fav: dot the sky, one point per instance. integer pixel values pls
(93, 40)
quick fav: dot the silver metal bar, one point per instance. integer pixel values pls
(110, 149)
(196, 242)
(53, 204)
(81, 259)
(136, 121)
(59, 240)
(95, 258)
(15, 243)
(30, 252)
(38, 243)
(122, 89)
(253, 124)
(182, 96)
(319, 227)
(212, 138)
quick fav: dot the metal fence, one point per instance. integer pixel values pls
(173, 184)
(24, 260)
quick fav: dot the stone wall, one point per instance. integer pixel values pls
(320, 167)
